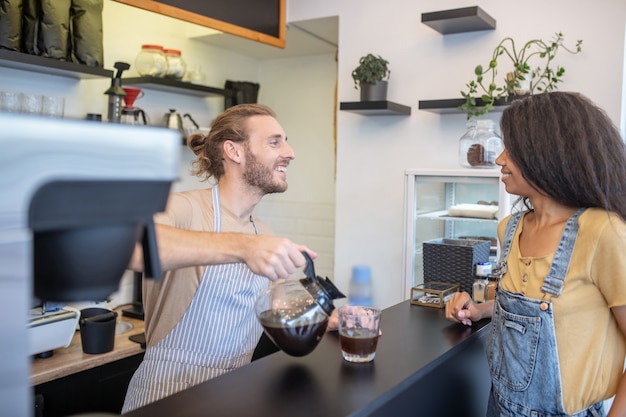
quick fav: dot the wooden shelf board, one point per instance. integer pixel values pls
(174, 86)
(466, 19)
(376, 108)
(50, 66)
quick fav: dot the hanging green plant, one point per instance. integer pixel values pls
(542, 78)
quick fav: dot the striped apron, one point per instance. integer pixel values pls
(217, 333)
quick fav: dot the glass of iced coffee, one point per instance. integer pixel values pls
(359, 328)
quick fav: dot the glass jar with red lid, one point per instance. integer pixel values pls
(151, 61)
(176, 66)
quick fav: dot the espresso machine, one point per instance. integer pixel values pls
(75, 198)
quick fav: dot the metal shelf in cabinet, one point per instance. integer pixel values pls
(174, 86)
(50, 66)
(443, 215)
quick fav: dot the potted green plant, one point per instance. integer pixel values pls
(540, 78)
(371, 77)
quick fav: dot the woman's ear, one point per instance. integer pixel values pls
(233, 151)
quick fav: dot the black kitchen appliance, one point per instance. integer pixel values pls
(75, 197)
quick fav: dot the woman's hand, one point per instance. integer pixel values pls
(461, 309)
(333, 321)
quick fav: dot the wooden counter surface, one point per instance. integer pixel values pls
(72, 359)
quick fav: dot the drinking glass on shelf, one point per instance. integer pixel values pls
(10, 101)
(53, 106)
(31, 103)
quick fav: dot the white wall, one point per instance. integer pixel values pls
(301, 90)
(373, 152)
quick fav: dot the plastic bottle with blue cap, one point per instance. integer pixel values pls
(361, 286)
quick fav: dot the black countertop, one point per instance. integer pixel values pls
(423, 363)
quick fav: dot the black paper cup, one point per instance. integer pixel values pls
(97, 330)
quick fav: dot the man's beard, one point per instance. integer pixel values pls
(258, 175)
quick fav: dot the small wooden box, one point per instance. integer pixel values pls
(433, 293)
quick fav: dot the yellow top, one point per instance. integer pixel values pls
(590, 346)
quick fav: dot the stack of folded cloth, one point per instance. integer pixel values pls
(482, 211)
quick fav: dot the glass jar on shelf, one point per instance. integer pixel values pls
(480, 145)
(151, 61)
(176, 66)
(195, 76)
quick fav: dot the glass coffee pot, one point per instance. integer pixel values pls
(132, 115)
(294, 313)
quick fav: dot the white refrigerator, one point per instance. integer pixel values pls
(429, 194)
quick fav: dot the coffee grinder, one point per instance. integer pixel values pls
(115, 93)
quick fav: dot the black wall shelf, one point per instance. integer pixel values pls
(174, 86)
(466, 19)
(50, 66)
(450, 106)
(376, 108)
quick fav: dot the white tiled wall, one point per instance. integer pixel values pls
(309, 224)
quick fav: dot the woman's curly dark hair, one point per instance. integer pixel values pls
(568, 148)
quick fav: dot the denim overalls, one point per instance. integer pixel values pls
(521, 351)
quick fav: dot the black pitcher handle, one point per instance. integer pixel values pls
(322, 289)
(309, 269)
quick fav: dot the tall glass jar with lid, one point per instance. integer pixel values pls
(480, 145)
(176, 66)
(151, 61)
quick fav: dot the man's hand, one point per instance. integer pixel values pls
(333, 321)
(274, 257)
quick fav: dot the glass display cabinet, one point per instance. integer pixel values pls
(429, 195)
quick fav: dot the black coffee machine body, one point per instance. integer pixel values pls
(75, 198)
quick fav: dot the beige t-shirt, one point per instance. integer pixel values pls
(166, 301)
(590, 345)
